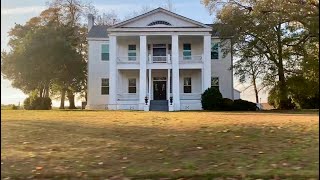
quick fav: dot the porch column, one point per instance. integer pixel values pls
(168, 89)
(175, 72)
(206, 62)
(143, 72)
(149, 88)
(113, 72)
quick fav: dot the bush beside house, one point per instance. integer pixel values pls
(212, 99)
(37, 103)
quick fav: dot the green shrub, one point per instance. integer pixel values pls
(211, 99)
(227, 104)
(37, 103)
(243, 105)
(14, 107)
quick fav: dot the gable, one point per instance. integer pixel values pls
(159, 18)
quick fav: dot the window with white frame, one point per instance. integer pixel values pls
(215, 82)
(104, 86)
(132, 52)
(132, 87)
(187, 85)
(105, 52)
(214, 50)
(186, 51)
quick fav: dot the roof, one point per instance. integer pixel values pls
(98, 31)
(159, 10)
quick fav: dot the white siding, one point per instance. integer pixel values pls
(221, 68)
(97, 69)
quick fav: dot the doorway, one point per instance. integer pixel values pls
(159, 90)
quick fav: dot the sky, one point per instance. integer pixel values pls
(20, 11)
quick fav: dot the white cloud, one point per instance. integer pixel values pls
(22, 10)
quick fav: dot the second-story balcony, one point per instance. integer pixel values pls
(191, 59)
(127, 59)
(159, 59)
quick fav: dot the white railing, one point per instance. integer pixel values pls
(128, 97)
(191, 59)
(190, 96)
(160, 59)
(128, 59)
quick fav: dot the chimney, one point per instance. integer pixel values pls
(90, 21)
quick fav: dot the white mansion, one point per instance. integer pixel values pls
(156, 61)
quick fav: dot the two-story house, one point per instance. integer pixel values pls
(158, 55)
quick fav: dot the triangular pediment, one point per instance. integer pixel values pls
(159, 18)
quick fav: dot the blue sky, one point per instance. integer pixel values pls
(20, 11)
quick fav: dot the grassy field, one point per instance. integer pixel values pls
(158, 145)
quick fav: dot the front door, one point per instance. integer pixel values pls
(159, 90)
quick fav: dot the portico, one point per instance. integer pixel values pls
(159, 55)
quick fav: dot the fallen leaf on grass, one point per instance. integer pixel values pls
(199, 147)
(176, 170)
(39, 168)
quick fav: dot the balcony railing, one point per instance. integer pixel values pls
(191, 59)
(128, 97)
(160, 59)
(190, 96)
(128, 59)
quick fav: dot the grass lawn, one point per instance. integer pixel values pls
(139, 145)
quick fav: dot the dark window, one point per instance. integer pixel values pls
(132, 53)
(186, 51)
(159, 22)
(105, 52)
(104, 86)
(215, 82)
(187, 85)
(214, 51)
(132, 86)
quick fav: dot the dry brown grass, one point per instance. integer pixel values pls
(194, 145)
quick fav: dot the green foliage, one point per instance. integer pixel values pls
(227, 104)
(211, 99)
(274, 99)
(37, 103)
(277, 32)
(243, 105)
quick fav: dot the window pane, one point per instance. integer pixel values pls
(132, 54)
(104, 82)
(215, 81)
(169, 46)
(132, 47)
(186, 53)
(187, 81)
(105, 56)
(132, 82)
(214, 51)
(104, 90)
(132, 89)
(186, 46)
(187, 89)
(105, 48)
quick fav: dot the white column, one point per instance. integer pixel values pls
(149, 88)
(175, 73)
(143, 71)
(113, 72)
(206, 62)
(168, 87)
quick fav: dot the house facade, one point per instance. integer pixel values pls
(156, 59)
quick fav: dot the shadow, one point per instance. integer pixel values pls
(155, 151)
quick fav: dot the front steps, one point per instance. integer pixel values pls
(159, 105)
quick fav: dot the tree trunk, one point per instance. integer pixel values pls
(63, 96)
(283, 91)
(255, 89)
(70, 96)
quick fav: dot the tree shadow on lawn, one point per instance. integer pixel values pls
(65, 149)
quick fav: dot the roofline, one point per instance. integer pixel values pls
(159, 9)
